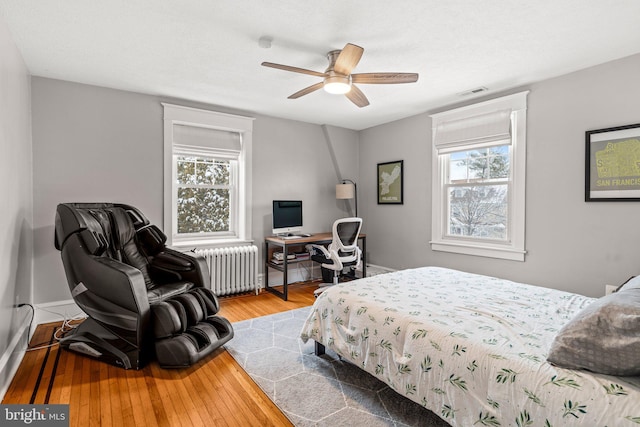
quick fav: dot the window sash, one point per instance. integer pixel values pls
(446, 223)
(447, 160)
(232, 186)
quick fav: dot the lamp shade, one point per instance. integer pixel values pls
(345, 191)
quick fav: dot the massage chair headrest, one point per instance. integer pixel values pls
(82, 218)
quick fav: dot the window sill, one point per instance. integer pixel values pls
(210, 243)
(511, 254)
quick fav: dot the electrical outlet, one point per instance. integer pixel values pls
(609, 289)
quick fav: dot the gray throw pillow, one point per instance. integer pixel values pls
(632, 283)
(604, 337)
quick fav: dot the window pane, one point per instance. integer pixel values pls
(203, 210)
(203, 170)
(458, 167)
(499, 162)
(479, 165)
(478, 211)
(186, 170)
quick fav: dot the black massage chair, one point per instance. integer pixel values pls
(143, 300)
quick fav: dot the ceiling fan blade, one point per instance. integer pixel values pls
(306, 90)
(348, 59)
(293, 69)
(384, 78)
(356, 96)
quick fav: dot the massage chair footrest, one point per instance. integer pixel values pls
(186, 328)
(194, 344)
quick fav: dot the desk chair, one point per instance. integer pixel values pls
(342, 252)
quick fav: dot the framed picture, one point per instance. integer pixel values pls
(390, 183)
(612, 169)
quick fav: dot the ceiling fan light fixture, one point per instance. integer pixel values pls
(338, 77)
(338, 85)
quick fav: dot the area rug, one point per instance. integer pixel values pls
(317, 391)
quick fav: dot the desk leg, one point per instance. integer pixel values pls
(268, 288)
(266, 266)
(285, 279)
(364, 257)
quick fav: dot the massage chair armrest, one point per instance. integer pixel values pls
(172, 265)
(118, 283)
(169, 261)
(166, 267)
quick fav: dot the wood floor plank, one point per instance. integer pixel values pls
(79, 402)
(159, 411)
(96, 406)
(124, 393)
(176, 413)
(214, 392)
(104, 401)
(63, 382)
(113, 394)
(139, 395)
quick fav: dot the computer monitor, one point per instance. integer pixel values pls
(287, 216)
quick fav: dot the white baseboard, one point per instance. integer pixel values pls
(57, 311)
(13, 355)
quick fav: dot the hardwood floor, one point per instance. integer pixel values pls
(214, 392)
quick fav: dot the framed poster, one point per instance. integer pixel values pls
(612, 169)
(390, 175)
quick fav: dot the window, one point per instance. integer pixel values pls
(478, 179)
(207, 181)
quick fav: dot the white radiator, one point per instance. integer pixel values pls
(233, 269)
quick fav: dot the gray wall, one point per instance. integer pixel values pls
(97, 144)
(92, 144)
(572, 245)
(16, 214)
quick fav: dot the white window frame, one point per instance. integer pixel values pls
(514, 246)
(240, 224)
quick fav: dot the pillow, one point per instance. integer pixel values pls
(632, 283)
(604, 337)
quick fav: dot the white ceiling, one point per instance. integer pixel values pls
(207, 50)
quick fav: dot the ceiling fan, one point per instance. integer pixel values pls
(337, 78)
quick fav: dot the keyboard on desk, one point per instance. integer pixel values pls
(290, 237)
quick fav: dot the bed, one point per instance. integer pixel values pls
(473, 349)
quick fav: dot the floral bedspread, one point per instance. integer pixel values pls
(470, 348)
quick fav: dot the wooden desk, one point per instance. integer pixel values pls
(272, 242)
